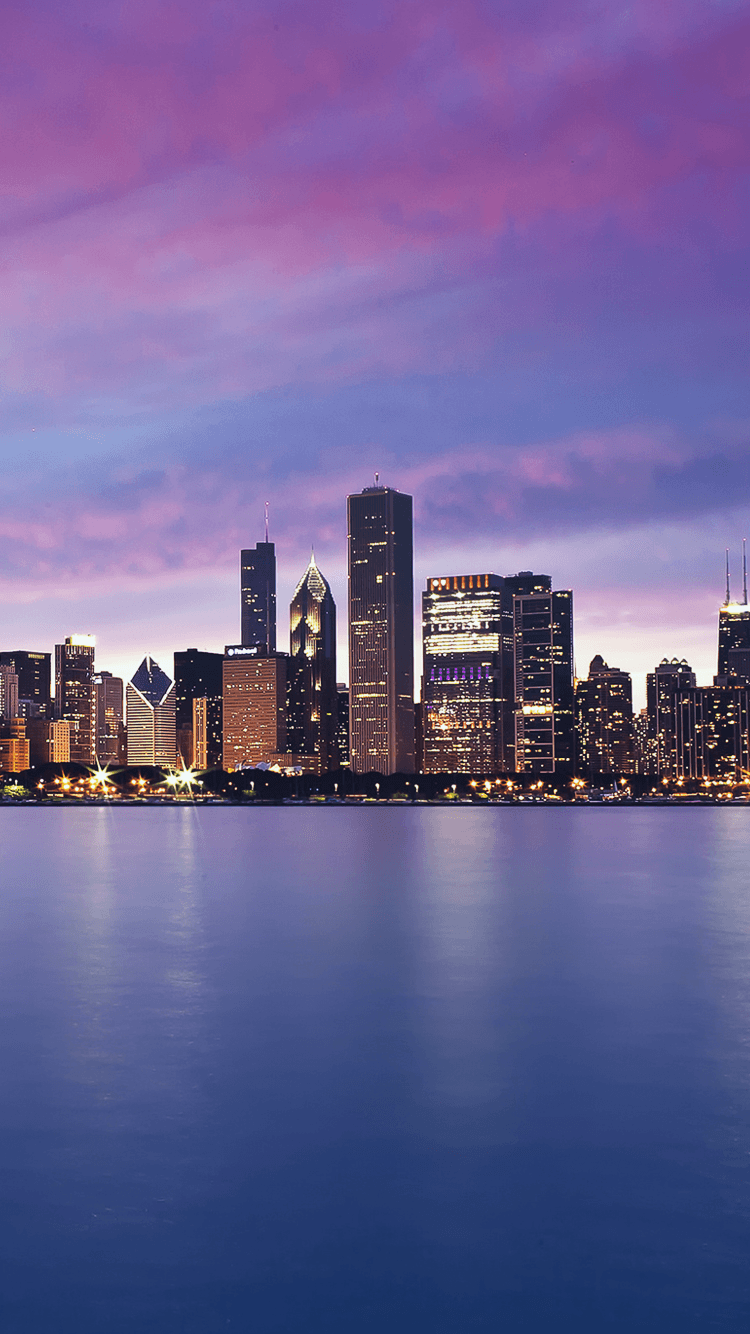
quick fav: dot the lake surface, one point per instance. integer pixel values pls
(374, 1071)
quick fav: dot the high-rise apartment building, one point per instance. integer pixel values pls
(342, 724)
(604, 719)
(74, 694)
(34, 678)
(312, 705)
(381, 644)
(662, 686)
(198, 675)
(468, 678)
(150, 699)
(207, 732)
(712, 736)
(258, 597)
(14, 747)
(254, 707)
(543, 672)
(110, 717)
(8, 692)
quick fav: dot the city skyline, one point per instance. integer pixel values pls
(591, 636)
(497, 255)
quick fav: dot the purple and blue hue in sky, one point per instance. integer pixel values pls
(250, 252)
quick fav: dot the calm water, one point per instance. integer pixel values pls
(373, 1071)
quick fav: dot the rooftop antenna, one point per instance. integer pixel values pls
(727, 597)
(744, 570)
(377, 475)
(266, 520)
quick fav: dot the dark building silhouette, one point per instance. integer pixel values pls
(342, 724)
(34, 672)
(543, 674)
(110, 717)
(75, 701)
(662, 686)
(467, 675)
(198, 675)
(381, 634)
(711, 733)
(604, 720)
(734, 633)
(312, 708)
(258, 597)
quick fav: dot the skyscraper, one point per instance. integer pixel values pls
(108, 694)
(34, 678)
(712, 733)
(662, 686)
(313, 702)
(254, 707)
(198, 675)
(8, 693)
(381, 645)
(258, 596)
(543, 669)
(734, 631)
(74, 694)
(466, 674)
(604, 719)
(151, 716)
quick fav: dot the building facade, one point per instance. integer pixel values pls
(342, 724)
(254, 707)
(381, 642)
(671, 676)
(604, 721)
(258, 597)
(34, 679)
(8, 692)
(312, 705)
(712, 740)
(466, 675)
(151, 731)
(75, 700)
(207, 733)
(14, 747)
(110, 717)
(49, 742)
(198, 675)
(543, 674)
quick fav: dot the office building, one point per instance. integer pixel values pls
(34, 679)
(734, 634)
(258, 596)
(14, 747)
(198, 675)
(543, 674)
(49, 741)
(8, 693)
(604, 720)
(381, 646)
(312, 704)
(150, 696)
(712, 740)
(207, 733)
(110, 717)
(342, 724)
(662, 686)
(467, 675)
(74, 694)
(254, 707)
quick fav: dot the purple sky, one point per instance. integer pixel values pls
(251, 252)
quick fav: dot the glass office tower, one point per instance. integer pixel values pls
(75, 700)
(543, 669)
(258, 597)
(464, 681)
(381, 637)
(313, 700)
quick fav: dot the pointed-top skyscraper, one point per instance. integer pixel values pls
(734, 633)
(313, 698)
(151, 716)
(258, 596)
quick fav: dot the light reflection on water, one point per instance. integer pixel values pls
(363, 1069)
